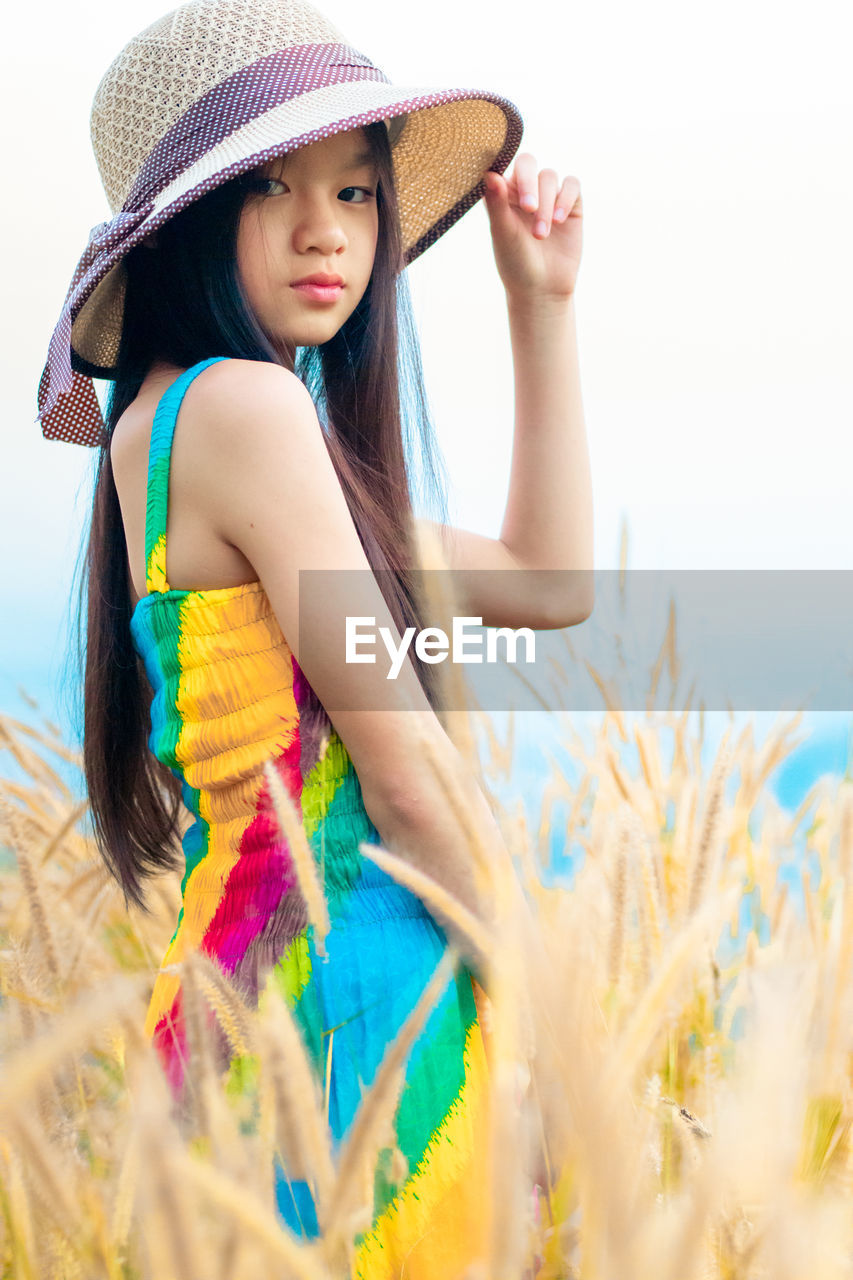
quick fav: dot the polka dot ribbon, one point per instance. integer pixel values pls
(68, 407)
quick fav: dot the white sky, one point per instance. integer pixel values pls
(713, 149)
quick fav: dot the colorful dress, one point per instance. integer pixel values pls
(228, 696)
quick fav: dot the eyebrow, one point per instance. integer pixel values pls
(364, 158)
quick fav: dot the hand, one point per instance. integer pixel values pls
(536, 231)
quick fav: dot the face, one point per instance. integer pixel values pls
(310, 213)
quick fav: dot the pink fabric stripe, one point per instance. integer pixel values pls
(260, 897)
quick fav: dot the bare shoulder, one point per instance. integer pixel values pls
(253, 430)
(239, 402)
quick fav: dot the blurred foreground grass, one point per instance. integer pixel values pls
(666, 1148)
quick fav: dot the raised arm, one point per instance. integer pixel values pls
(548, 524)
(536, 237)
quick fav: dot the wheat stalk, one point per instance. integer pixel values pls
(13, 820)
(24, 1068)
(17, 1205)
(306, 1139)
(647, 1016)
(302, 1261)
(713, 813)
(125, 1193)
(293, 831)
(235, 1016)
(372, 1127)
(47, 1171)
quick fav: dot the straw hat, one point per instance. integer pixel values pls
(216, 87)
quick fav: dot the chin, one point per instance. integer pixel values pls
(316, 335)
(312, 335)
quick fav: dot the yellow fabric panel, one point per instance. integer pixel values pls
(439, 1223)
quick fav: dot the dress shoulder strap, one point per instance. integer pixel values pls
(159, 456)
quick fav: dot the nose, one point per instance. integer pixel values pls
(318, 225)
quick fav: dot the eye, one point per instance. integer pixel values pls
(258, 183)
(364, 191)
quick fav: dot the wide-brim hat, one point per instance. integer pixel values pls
(217, 87)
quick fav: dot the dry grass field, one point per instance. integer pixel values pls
(682, 1117)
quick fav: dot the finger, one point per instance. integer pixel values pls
(496, 191)
(548, 183)
(497, 200)
(567, 197)
(495, 188)
(523, 187)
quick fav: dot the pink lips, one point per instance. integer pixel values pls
(320, 287)
(319, 292)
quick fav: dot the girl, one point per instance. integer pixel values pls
(247, 299)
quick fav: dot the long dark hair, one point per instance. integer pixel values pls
(183, 303)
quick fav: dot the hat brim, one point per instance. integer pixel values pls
(450, 139)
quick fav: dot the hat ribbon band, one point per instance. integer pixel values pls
(249, 92)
